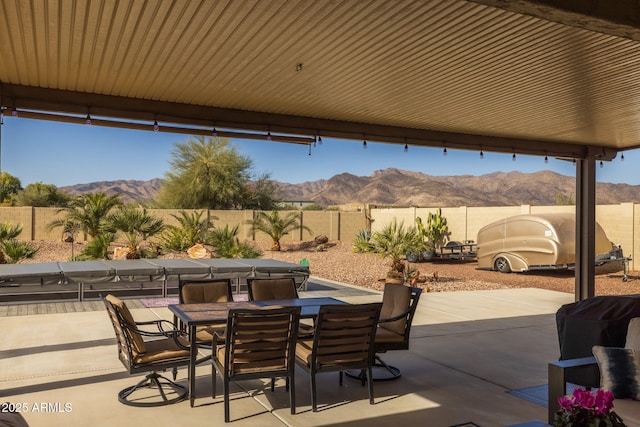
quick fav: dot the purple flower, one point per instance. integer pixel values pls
(565, 403)
(604, 402)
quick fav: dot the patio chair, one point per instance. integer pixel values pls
(269, 289)
(259, 343)
(205, 291)
(167, 350)
(272, 289)
(399, 303)
(343, 340)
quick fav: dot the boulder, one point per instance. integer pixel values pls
(321, 239)
(198, 251)
(120, 253)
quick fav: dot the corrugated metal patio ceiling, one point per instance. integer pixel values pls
(431, 72)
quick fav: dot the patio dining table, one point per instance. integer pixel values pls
(194, 315)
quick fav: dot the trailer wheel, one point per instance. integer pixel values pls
(502, 265)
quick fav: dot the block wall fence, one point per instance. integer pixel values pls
(620, 222)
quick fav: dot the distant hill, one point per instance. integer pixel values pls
(405, 188)
(129, 190)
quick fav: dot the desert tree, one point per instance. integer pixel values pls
(40, 195)
(9, 187)
(208, 173)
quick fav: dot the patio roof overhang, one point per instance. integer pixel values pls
(546, 77)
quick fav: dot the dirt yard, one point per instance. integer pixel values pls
(337, 262)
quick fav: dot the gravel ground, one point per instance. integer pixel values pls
(338, 263)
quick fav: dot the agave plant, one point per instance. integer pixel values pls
(135, 225)
(362, 243)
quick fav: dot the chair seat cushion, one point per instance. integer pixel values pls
(204, 334)
(243, 363)
(386, 336)
(162, 350)
(351, 354)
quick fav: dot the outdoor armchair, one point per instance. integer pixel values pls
(399, 304)
(259, 343)
(343, 340)
(167, 349)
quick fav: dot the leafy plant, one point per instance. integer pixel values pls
(15, 250)
(98, 248)
(276, 226)
(227, 245)
(89, 211)
(393, 241)
(362, 242)
(135, 225)
(8, 233)
(193, 229)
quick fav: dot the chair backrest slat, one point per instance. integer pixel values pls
(261, 339)
(344, 334)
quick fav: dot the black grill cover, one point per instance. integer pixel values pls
(599, 320)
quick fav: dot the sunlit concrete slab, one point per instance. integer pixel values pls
(468, 350)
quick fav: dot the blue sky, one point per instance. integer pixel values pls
(67, 154)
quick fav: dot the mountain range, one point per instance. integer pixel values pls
(395, 187)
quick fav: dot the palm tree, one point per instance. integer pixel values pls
(88, 211)
(394, 241)
(276, 227)
(136, 226)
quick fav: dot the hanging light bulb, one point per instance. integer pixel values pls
(444, 151)
(601, 164)
(364, 144)
(319, 140)
(215, 132)
(88, 120)
(269, 135)
(546, 159)
(622, 157)
(513, 158)
(309, 149)
(14, 112)
(406, 148)
(156, 126)
(481, 154)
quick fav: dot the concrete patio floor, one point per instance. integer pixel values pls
(468, 350)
